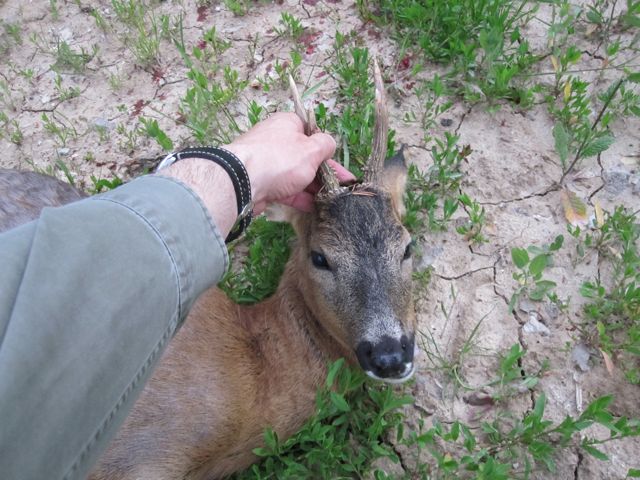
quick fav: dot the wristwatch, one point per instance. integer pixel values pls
(239, 178)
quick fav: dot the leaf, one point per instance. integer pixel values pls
(607, 361)
(519, 256)
(538, 264)
(567, 91)
(599, 215)
(594, 452)
(597, 145)
(561, 137)
(634, 77)
(575, 211)
(633, 473)
(339, 401)
(554, 62)
(333, 371)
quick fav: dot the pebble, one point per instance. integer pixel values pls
(535, 326)
(63, 152)
(615, 181)
(580, 356)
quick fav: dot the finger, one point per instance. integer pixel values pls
(313, 187)
(302, 201)
(326, 147)
(342, 173)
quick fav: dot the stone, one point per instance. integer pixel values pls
(535, 326)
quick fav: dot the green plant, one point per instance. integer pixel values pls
(507, 448)
(10, 129)
(153, 130)
(613, 311)
(348, 432)
(472, 230)
(69, 60)
(60, 128)
(65, 93)
(238, 7)
(530, 270)
(260, 270)
(102, 184)
(451, 366)
(145, 30)
(432, 197)
(432, 105)
(291, 26)
(480, 40)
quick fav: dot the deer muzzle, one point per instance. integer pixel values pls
(390, 359)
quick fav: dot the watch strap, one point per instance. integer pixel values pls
(237, 173)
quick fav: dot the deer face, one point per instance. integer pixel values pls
(357, 265)
(356, 257)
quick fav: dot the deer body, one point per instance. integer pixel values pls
(189, 422)
(232, 371)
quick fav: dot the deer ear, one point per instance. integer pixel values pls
(277, 212)
(394, 180)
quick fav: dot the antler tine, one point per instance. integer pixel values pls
(327, 175)
(380, 132)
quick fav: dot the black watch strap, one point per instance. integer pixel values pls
(236, 171)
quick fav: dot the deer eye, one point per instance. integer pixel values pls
(408, 251)
(319, 260)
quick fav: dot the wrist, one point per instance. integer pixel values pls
(245, 155)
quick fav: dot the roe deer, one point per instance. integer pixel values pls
(233, 370)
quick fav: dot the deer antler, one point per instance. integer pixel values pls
(380, 132)
(308, 117)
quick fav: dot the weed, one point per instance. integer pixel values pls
(432, 197)
(101, 23)
(344, 437)
(354, 124)
(261, 269)
(10, 129)
(613, 312)
(452, 367)
(481, 40)
(69, 60)
(431, 94)
(103, 184)
(255, 113)
(53, 8)
(60, 128)
(472, 230)
(153, 130)
(65, 94)
(130, 138)
(529, 276)
(238, 7)
(291, 26)
(145, 30)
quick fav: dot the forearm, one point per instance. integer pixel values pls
(91, 292)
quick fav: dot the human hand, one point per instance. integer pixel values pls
(282, 161)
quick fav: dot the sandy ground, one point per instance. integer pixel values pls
(511, 172)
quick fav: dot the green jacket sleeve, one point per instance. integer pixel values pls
(90, 293)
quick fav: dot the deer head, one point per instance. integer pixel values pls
(354, 258)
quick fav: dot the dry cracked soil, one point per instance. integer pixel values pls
(512, 171)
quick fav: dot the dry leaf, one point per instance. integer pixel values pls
(607, 361)
(575, 211)
(567, 91)
(554, 62)
(599, 215)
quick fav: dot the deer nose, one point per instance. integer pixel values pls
(387, 359)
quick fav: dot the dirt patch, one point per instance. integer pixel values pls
(87, 116)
